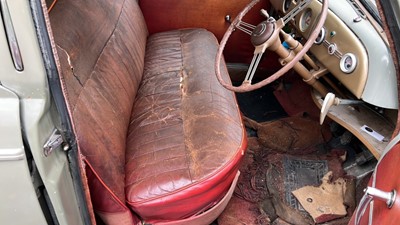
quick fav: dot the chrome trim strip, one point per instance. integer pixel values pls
(12, 154)
(11, 37)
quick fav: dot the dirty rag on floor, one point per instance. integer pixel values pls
(293, 135)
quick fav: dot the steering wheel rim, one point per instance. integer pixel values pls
(245, 87)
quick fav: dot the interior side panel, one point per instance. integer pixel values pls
(163, 15)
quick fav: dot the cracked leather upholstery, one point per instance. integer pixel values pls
(185, 136)
(158, 134)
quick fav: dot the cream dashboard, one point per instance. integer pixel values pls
(351, 48)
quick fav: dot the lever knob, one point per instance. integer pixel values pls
(328, 102)
(264, 13)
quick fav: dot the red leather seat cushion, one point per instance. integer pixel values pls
(185, 138)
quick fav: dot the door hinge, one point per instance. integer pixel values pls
(55, 140)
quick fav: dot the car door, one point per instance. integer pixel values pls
(381, 201)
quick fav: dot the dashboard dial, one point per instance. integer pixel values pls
(321, 36)
(287, 4)
(305, 20)
(348, 63)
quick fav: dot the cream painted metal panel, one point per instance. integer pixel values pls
(381, 86)
(19, 204)
(37, 118)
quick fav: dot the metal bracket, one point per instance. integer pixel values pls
(54, 141)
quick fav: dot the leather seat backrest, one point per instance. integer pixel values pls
(101, 47)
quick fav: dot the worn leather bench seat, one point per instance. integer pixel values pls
(185, 137)
(160, 139)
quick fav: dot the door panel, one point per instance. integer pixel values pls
(387, 179)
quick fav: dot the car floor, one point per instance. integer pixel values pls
(294, 170)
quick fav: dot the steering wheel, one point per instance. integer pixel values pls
(266, 36)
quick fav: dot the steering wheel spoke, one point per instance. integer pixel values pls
(253, 67)
(245, 27)
(300, 6)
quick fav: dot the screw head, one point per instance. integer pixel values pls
(357, 19)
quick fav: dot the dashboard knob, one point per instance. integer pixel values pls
(332, 48)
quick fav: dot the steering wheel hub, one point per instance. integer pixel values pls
(262, 32)
(259, 30)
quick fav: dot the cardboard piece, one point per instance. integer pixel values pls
(323, 203)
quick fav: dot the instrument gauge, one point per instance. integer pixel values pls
(348, 63)
(286, 5)
(305, 20)
(321, 36)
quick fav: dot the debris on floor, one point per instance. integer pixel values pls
(297, 135)
(279, 221)
(326, 202)
(287, 173)
(285, 156)
(240, 211)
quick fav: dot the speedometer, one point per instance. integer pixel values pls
(305, 20)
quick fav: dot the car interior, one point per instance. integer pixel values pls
(219, 112)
